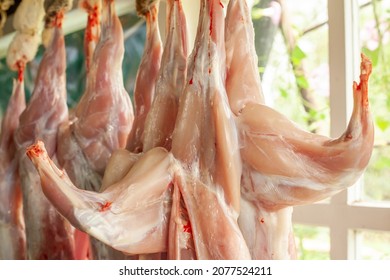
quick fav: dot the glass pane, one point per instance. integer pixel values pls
(375, 42)
(377, 176)
(312, 242)
(372, 245)
(296, 77)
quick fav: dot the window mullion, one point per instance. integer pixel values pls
(343, 59)
(343, 62)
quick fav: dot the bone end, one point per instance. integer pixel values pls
(36, 150)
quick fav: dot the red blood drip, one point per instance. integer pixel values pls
(211, 17)
(211, 22)
(34, 151)
(187, 228)
(20, 67)
(58, 20)
(262, 220)
(220, 3)
(93, 20)
(104, 206)
(191, 82)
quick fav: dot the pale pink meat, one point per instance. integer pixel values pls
(158, 127)
(286, 166)
(147, 75)
(283, 165)
(290, 166)
(139, 202)
(242, 80)
(207, 170)
(205, 142)
(180, 241)
(40, 120)
(104, 115)
(268, 234)
(203, 177)
(12, 226)
(103, 118)
(161, 120)
(227, 187)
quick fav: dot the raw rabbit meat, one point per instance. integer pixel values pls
(322, 166)
(206, 174)
(148, 70)
(91, 37)
(283, 165)
(139, 202)
(40, 120)
(287, 166)
(103, 118)
(161, 120)
(236, 167)
(12, 227)
(27, 23)
(242, 79)
(205, 142)
(268, 234)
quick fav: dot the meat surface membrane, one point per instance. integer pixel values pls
(12, 225)
(103, 117)
(44, 113)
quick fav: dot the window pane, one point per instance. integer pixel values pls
(372, 245)
(296, 77)
(312, 242)
(377, 176)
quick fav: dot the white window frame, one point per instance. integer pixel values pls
(343, 215)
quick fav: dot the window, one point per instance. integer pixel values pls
(358, 219)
